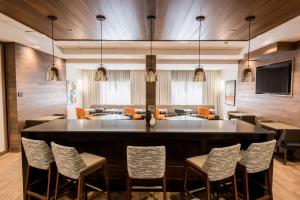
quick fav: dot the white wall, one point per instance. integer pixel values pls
(73, 73)
(227, 74)
(3, 133)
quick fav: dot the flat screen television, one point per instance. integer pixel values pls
(275, 78)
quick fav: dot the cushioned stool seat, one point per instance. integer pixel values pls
(91, 159)
(197, 160)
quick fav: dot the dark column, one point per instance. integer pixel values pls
(150, 87)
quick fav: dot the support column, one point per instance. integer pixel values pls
(151, 87)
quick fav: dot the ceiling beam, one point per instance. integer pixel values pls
(143, 51)
(158, 61)
(272, 50)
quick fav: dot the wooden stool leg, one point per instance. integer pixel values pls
(285, 155)
(85, 190)
(165, 187)
(106, 177)
(184, 182)
(49, 183)
(207, 188)
(234, 188)
(56, 186)
(245, 184)
(27, 182)
(269, 182)
(80, 187)
(218, 190)
(128, 188)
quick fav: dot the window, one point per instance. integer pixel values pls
(184, 91)
(117, 89)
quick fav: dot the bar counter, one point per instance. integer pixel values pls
(182, 138)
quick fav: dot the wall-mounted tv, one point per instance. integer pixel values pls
(275, 78)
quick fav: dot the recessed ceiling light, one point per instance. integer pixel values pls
(36, 46)
(268, 42)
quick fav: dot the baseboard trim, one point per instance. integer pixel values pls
(3, 152)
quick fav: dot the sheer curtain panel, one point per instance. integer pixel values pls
(138, 87)
(90, 88)
(163, 87)
(211, 89)
(117, 89)
(183, 90)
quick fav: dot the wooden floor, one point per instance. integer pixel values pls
(286, 184)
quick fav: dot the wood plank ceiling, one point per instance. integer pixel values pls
(126, 19)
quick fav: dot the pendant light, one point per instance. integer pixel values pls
(199, 73)
(151, 74)
(52, 73)
(248, 74)
(101, 73)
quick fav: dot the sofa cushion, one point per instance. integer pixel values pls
(203, 111)
(179, 111)
(136, 117)
(130, 111)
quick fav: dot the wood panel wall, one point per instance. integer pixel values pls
(25, 75)
(278, 108)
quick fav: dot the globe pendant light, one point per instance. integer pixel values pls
(248, 74)
(101, 73)
(53, 73)
(199, 73)
(151, 74)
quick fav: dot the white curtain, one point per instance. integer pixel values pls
(90, 89)
(163, 87)
(183, 90)
(138, 87)
(211, 89)
(128, 87)
(117, 89)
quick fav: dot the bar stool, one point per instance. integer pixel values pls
(290, 139)
(146, 163)
(76, 167)
(257, 158)
(219, 165)
(39, 156)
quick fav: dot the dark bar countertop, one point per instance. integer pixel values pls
(138, 126)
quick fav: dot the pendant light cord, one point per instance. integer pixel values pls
(100, 43)
(249, 42)
(199, 43)
(52, 21)
(151, 21)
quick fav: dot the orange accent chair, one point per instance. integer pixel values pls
(80, 113)
(131, 112)
(204, 112)
(158, 115)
